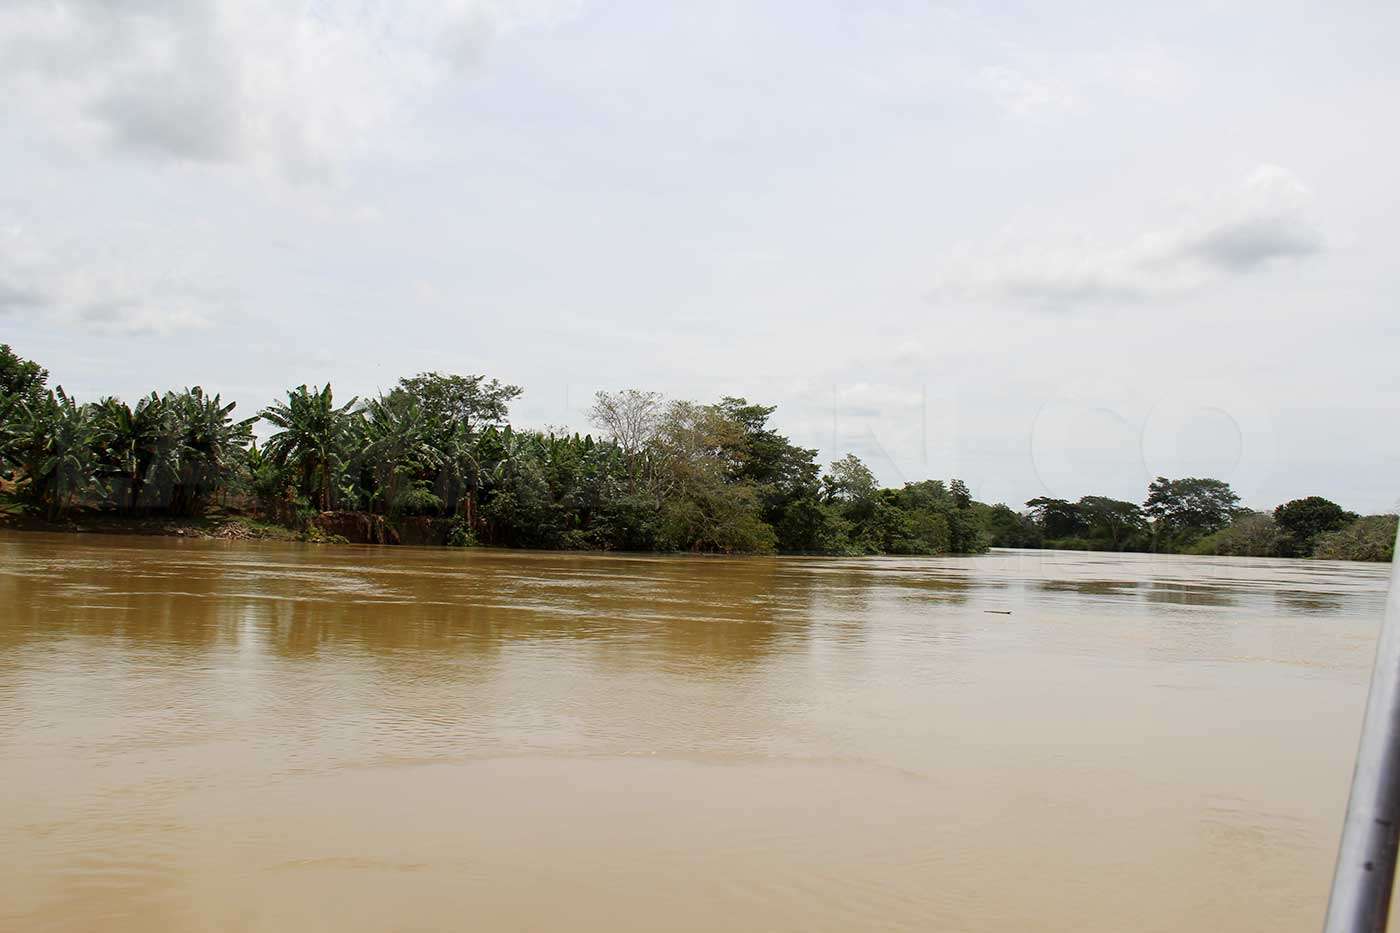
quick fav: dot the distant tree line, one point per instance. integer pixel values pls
(662, 475)
(1194, 516)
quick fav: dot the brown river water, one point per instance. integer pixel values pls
(230, 736)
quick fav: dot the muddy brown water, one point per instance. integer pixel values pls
(244, 736)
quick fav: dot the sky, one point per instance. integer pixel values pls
(1051, 249)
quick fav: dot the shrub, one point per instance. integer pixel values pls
(459, 534)
(1369, 538)
(1255, 534)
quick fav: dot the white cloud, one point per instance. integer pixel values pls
(294, 85)
(289, 87)
(1023, 95)
(1262, 221)
(95, 292)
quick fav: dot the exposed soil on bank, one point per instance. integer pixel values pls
(324, 528)
(226, 526)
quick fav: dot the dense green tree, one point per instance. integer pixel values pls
(925, 518)
(400, 446)
(1112, 523)
(469, 402)
(850, 482)
(172, 452)
(1302, 520)
(136, 443)
(1185, 510)
(916, 530)
(784, 477)
(851, 492)
(1249, 534)
(562, 491)
(711, 516)
(470, 462)
(1057, 518)
(12, 418)
(209, 446)
(21, 381)
(709, 501)
(55, 443)
(627, 521)
(20, 378)
(457, 414)
(1370, 538)
(811, 526)
(313, 436)
(589, 482)
(965, 532)
(1005, 527)
(272, 486)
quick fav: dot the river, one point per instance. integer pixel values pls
(248, 736)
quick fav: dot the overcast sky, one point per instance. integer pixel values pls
(1053, 249)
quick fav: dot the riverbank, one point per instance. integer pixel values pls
(334, 527)
(1370, 541)
(226, 526)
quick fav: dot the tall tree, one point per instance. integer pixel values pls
(209, 445)
(1184, 510)
(471, 402)
(56, 446)
(1369, 538)
(630, 417)
(313, 436)
(707, 505)
(784, 477)
(401, 450)
(1005, 527)
(21, 381)
(1304, 519)
(1058, 518)
(1114, 522)
(20, 377)
(849, 480)
(136, 442)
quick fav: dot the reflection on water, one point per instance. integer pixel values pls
(222, 735)
(1294, 601)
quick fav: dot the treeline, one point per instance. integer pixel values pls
(1194, 516)
(662, 475)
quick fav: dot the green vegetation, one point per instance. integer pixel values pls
(439, 449)
(436, 457)
(1193, 516)
(1369, 538)
(1302, 522)
(1182, 511)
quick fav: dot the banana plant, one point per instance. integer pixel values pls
(57, 441)
(135, 442)
(209, 445)
(313, 437)
(399, 445)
